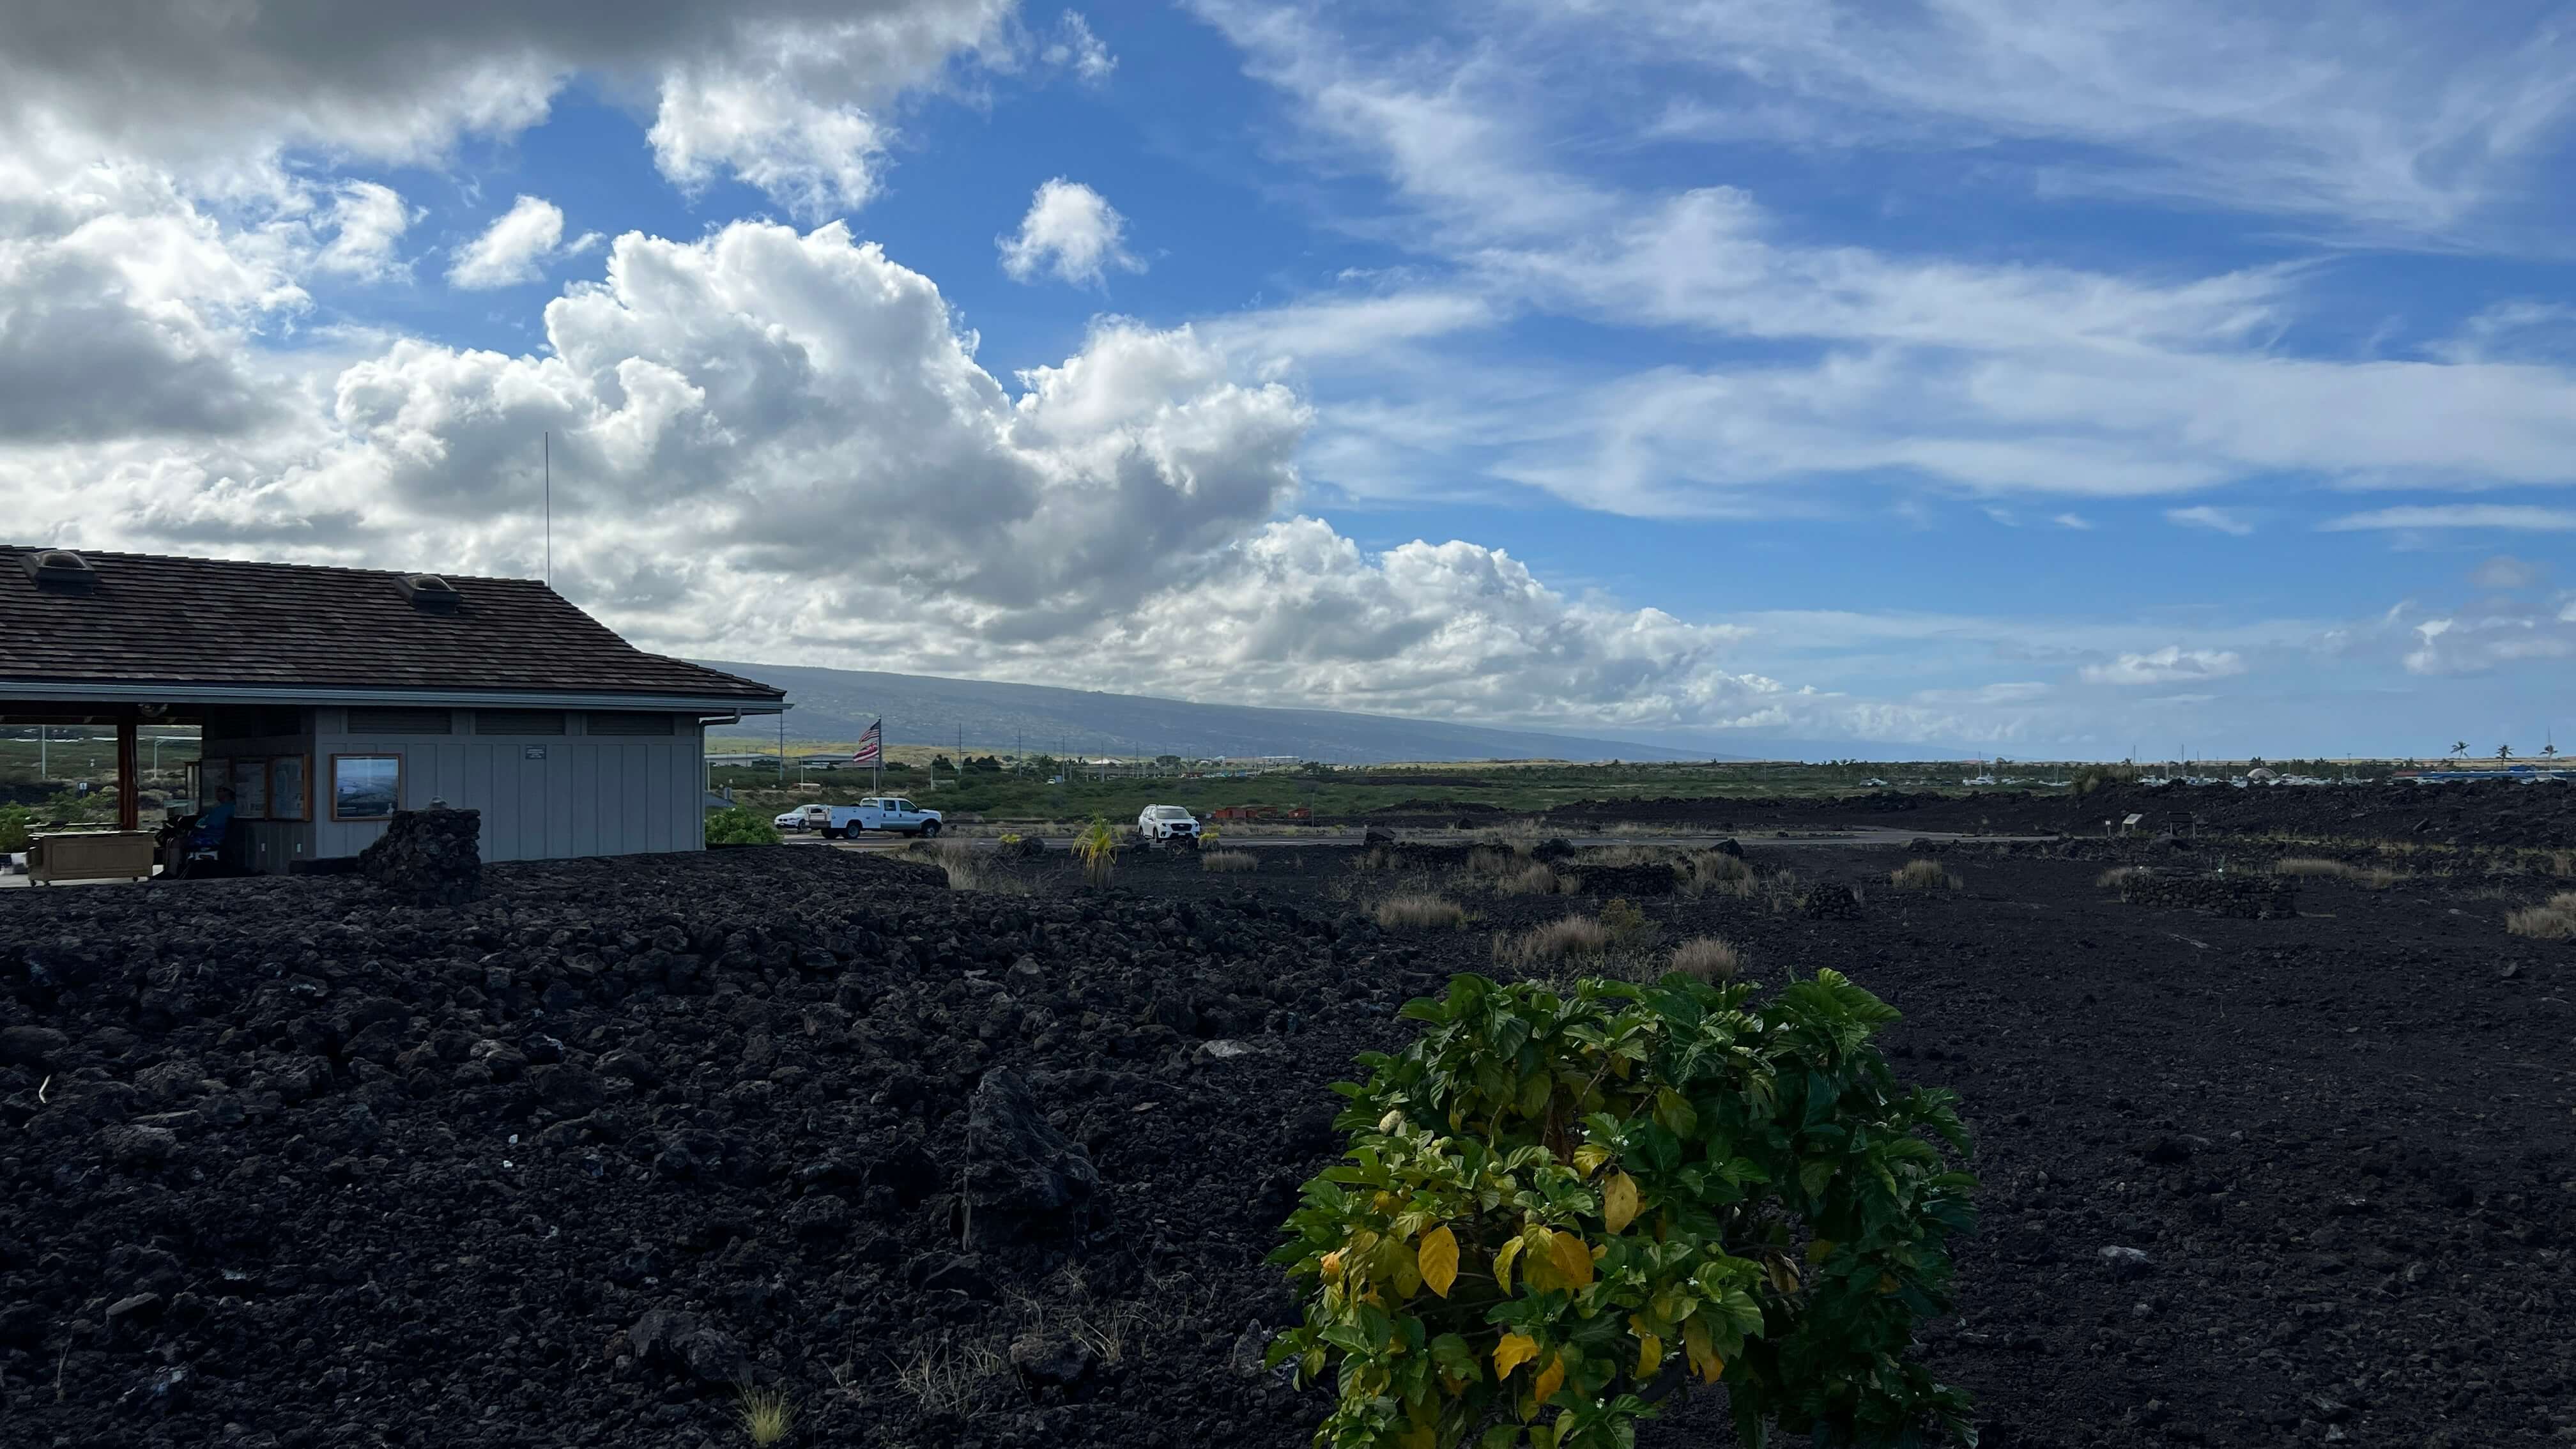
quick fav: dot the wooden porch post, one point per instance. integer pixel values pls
(129, 809)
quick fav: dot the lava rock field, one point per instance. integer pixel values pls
(290, 1162)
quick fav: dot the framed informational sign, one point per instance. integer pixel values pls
(249, 779)
(290, 788)
(365, 787)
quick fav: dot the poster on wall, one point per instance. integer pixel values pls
(365, 787)
(289, 795)
(250, 789)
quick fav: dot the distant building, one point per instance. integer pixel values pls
(329, 698)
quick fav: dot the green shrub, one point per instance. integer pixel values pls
(16, 828)
(1628, 927)
(1548, 1198)
(738, 825)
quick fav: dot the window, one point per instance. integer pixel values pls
(518, 721)
(630, 724)
(377, 720)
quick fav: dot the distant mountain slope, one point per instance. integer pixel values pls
(836, 704)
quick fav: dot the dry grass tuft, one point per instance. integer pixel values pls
(1924, 875)
(1708, 958)
(1558, 940)
(2119, 876)
(1710, 869)
(2310, 865)
(2378, 878)
(951, 1379)
(1419, 913)
(1537, 880)
(766, 1414)
(1495, 860)
(1229, 862)
(2552, 920)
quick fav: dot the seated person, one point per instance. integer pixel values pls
(207, 832)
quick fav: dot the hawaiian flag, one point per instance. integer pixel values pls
(871, 745)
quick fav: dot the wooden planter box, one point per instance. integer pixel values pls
(92, 855)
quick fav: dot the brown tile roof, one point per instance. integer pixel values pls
(151, 619)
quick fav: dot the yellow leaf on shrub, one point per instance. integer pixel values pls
(1619, 1202)
(1550, 1379)
(1515, 1349)
(1819, 1250)
(1886, 1285)
(1420, 1436)
(1573, 1259)
(1437, 1259)
(1589, 1157)
(1503, 1266)
(1650, 1355)
(1333, 1266)
(1703, 1356)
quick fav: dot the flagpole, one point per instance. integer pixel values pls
(880, 789)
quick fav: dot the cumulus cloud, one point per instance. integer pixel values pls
(1072, 232)
(127, 310)
(367, 221)
(516, 247)
(2170, 665)
(784, 95)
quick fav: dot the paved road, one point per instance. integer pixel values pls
(1867, 836)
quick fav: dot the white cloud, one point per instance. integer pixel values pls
(1075, 48)
(515, 249)
(128, 310)
(367, 223)
(1072, 232)
(2506, 572)
(2381, 121)
(767, 440)
(2170, 665)
(784, 95)
(1871, 366)
(2073, 520)
(2217, 520)
(2529, 518)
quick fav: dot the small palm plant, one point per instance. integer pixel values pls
(1097, 848)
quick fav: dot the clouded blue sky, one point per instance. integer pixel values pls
(1966, 376)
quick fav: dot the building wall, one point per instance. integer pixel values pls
(543, 796)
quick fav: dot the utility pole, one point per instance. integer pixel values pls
(782, 749)
(547, 440)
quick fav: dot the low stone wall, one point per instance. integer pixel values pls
(432, 857)
(2250, 897)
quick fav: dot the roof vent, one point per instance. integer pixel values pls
(429, 593)
(59, 570)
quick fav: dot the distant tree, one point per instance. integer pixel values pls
(1168, 762)
(939, 763)
(2549, 752)
(984, 765)
(2461, 748)
(2504, 752)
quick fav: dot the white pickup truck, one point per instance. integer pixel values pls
(877, 812)
(1167, 825)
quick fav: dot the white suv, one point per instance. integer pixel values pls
(1167, 825)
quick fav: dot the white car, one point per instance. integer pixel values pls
(1167, 825)
(804, 817)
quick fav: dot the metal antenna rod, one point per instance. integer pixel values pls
(547, 439)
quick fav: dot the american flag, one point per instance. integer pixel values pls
(871, 745)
